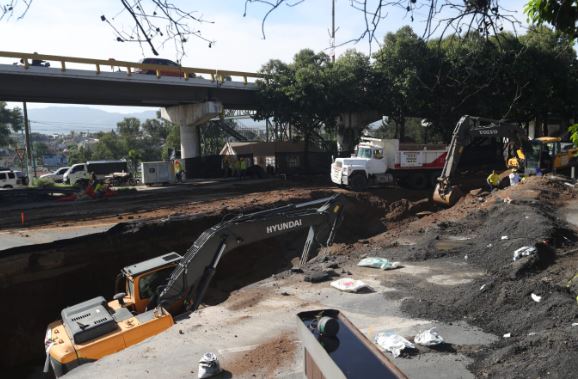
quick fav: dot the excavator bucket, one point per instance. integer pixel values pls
(448, 198)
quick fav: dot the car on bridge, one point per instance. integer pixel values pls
(163, 62)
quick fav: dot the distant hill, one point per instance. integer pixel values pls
(57, 120)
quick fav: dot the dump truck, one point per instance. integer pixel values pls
(382, 161)
(548, 154)
(151, 292)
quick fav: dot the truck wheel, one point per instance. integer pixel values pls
(418, 181)
(358, 182)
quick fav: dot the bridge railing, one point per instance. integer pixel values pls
(27, 60)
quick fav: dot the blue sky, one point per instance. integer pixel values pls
(73, 28)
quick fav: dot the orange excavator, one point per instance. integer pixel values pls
(150, 292)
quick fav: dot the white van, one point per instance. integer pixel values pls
(81, 172)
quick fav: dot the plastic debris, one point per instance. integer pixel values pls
(349, 285)
(504, 238)
(209, 366)
(489, 245)
(376, 262)
(575, 324)
(428, 338)
(536, 298)
(482, 287)
(508, 200)
(507, 335)
(392, 342)
(532, 333)
(466, 257)
(524, 251)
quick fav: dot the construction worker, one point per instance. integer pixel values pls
(493, 180)
(179, 171)
(243, 167)
(514, 178)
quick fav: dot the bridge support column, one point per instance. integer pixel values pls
(349, 127)
(190, 117)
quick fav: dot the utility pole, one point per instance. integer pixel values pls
(333, 31)
(27, 141)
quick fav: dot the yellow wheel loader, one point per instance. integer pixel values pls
(150, 292)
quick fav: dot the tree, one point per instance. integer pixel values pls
(10, 121)
(562, 14)
(299, 94)
(401, 76)
(129, 128)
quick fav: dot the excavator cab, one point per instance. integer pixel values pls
(137, 284)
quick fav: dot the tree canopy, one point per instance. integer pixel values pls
(11, 120)
(532, 77)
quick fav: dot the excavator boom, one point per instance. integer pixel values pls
(192, 276)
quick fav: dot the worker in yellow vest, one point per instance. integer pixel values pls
(243, 167)
(493, 180)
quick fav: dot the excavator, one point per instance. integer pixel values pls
(548, 154)
(156, 289)
(467, 129)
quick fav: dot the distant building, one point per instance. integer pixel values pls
(284, 157)
(54, 161)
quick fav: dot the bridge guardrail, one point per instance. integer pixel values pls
(216, 74)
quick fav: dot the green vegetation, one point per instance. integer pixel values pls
(533, 77)
(10, 121)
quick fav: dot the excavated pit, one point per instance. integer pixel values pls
(37, 281)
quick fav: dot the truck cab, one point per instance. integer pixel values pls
(367, 164)
(93, 329)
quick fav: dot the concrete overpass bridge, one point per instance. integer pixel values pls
(188, 96)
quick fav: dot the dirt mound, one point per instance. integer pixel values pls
(542, 340)
(264, 360)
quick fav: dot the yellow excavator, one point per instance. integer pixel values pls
(548, 154)
(150, 292)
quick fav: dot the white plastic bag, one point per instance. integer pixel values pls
(348, 285)
(209, 366)
(392, 342)
(524, 251)
(376, 262)
(428, 338)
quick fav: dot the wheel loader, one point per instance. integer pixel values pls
(151, 292)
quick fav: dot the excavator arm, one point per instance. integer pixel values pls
(468, 128)
(190, 280)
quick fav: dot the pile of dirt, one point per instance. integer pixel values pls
(264, 360)
(539, 337)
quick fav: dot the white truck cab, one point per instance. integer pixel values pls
(382, 161)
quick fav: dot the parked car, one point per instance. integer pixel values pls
(13, 179)
(162, 62)
(56, 176)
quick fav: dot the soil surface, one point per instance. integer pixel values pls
(483, 231)
(459, 270)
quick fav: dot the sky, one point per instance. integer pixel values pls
(74, 28)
